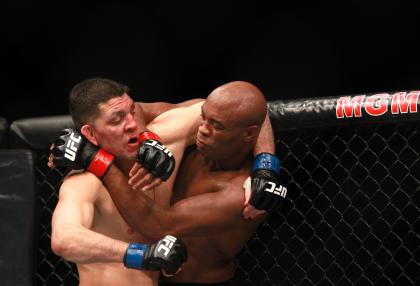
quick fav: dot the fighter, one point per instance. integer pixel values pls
(208, 199)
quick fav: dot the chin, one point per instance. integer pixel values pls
(205, 154)
(132, 156)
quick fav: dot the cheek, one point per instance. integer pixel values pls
(225, 141)
(111, 139)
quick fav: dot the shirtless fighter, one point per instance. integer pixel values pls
(208, 199)
(86, 227)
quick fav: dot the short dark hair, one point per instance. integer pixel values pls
(86, 96)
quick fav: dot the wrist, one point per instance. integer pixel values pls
(100, 163)
(266, 161)
(134, 255)
(148, 135)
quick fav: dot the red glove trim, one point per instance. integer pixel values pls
(100, 163)
(146, 135)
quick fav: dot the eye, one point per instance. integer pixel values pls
(217, 126)
(115, 120)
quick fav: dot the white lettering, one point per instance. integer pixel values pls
(166, 244)
(161, 147)
(277, 190)
(71, 147)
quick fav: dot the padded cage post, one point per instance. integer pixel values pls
(18, 217)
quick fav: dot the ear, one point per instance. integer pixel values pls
(88, 132)
(251, 133)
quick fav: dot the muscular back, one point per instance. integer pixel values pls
(211, 256)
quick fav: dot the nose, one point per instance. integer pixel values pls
(131, 124)
(203, 128)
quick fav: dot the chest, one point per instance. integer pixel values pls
(108, 220)
(195, 177)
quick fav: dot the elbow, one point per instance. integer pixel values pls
(61, 244)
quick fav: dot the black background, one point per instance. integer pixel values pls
(172, 51)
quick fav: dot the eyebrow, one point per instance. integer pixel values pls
(120, 112)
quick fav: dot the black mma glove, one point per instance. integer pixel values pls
(168, 254)
(154, 156)
(267, 193)
(73, 150)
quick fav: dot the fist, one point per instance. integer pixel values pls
(168, 254)
(68, 150)
(267, 191)
(156, 159)
(74, 151)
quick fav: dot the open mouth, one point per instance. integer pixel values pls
(132, 140)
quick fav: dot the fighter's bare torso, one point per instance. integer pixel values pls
(176, 128)
(211, 258)
(108, 221)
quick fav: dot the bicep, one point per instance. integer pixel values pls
(76, 206)
(178, 125)
(151, 110)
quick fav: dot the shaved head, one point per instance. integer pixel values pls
(231, 120)
(243, 100)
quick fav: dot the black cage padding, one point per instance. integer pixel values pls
(37, 133)
(351, 215)
(18, 217)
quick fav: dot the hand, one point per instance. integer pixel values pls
(250, 212)
(51, 158)
(72, 150)
(141, 179)
(168, 254)
(155, 157)
(267, 192)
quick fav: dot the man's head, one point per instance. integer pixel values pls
(104, 113)
(231, 120)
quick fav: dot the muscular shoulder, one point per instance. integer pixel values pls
(81, 186)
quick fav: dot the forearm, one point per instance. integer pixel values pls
(265, 142)
(200, 215)
(81, 245)
(138, 210)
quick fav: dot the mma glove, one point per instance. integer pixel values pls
(154, 156)
(267, 193)
(168, 254)
(73, 150)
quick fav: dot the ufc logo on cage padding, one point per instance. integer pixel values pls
(71, 148)
(159, 146)
(280, 190)
(166, 244)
